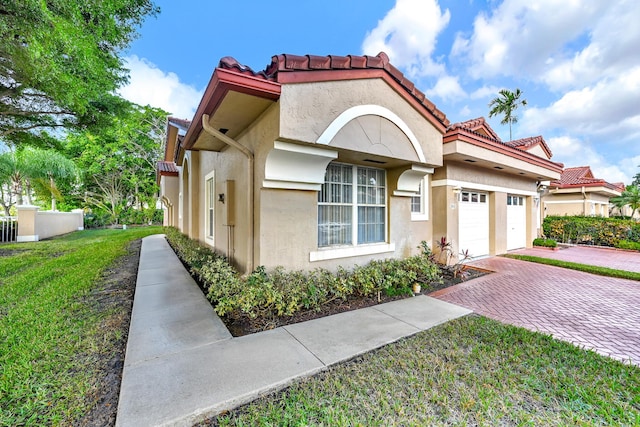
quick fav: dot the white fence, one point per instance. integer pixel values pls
(8, 228)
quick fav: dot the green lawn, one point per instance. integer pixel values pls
(51, 328)
(593, 269)
(471, 371)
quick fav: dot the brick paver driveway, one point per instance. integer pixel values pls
(603, 257)
(595, 312)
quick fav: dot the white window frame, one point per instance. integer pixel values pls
(210, 208)
(354, 204)
(423, 200)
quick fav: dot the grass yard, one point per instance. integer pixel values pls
(54, 330)
(471, 371)
(593, 269)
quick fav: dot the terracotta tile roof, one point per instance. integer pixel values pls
(474, 125)
(526, 143)
(582, 176)
(478, 132)
(290, 63)
(167, 168)
(181, 123)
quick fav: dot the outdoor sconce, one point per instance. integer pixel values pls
(457, 190)
(221, 197)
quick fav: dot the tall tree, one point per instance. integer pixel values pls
(58, 58)
(119, 159)
(505, 105)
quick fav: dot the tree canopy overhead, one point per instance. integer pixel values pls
(59, 59)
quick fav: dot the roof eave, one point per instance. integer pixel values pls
(222, 81)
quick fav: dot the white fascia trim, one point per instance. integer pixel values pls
(31, 238)
(351, 251)
(296, 167)
(481, 187)
(291, 185)
(564, 202)
(366, 110)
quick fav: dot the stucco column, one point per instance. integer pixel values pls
(445, 217)
(27, 217)
(194, 197)
(497, 223)
(80, 223)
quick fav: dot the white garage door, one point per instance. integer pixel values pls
(516, 222)
(473, 223)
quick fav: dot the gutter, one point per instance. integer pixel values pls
(250, 177)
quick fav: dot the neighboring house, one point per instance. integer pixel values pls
(486, 193)
(322, 161)
(578, 192)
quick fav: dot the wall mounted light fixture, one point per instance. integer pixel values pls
(221, 197)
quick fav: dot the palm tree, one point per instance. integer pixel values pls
(44, 167)
(629, 197)
(506, 104)
(22, 168)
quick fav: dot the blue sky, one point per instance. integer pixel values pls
(577, 62)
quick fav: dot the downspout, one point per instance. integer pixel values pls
(250, 177)
(584, 201)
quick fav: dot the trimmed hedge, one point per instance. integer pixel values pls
(591, 230)
(271, 294)
(547, 243)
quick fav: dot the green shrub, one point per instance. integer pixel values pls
(591, 230)
(626, 244)
(548, 243)
(271, 294)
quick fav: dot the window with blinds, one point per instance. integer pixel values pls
(352, 206)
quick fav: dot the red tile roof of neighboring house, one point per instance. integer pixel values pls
(582, 176)
(526, 143)
(182, 123)
(167, 168)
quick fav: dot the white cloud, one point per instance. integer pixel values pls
(575, 152)
(149, 85)
(465, 112)
(609, 110)
(485, 92)
(408, 34)
(448, 88)
(522, 38)
(612, 48)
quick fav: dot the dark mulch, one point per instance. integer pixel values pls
(113, 298)
(240, 325)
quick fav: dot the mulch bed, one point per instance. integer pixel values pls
(240, 325)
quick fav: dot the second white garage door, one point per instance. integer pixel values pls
(473, 223)
(516, 222)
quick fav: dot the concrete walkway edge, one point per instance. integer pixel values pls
(182, 365)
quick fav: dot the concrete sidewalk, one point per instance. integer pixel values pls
(182, 364)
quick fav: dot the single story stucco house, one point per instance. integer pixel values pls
(327, 161)
(578, 192)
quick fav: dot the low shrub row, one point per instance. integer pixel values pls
(591, 230)
(276, 293)
(547, 243)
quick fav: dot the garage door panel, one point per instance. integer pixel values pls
(516, 222)
(473, 223)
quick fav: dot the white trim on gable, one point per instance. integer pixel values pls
(363, 110)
